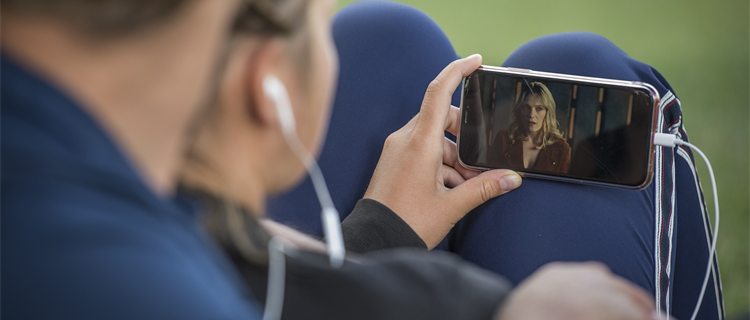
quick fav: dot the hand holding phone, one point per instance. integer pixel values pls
(418, 175)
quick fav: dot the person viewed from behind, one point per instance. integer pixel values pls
(98, 98)
(100, 101)
(533, 140)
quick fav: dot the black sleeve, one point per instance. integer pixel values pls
(372, 226)
(399, 284)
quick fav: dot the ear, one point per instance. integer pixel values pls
(264, 61)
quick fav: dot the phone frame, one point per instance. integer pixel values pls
(580, 80)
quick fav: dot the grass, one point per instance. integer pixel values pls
(701, 48)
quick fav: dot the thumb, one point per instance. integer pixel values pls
(478, 190)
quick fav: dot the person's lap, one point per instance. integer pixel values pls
(636, 233)
(389, 54)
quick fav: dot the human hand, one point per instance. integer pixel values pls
(418, 175)
(579, 291)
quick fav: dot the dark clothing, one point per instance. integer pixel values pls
(404, 284)
(409, 283)
(506, 154)
(372, 226)
(83, 237)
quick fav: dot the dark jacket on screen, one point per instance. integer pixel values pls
(506, 154)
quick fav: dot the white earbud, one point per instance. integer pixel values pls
(331, 220)
(276, 91)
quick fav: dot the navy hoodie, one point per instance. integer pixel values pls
(82, 236)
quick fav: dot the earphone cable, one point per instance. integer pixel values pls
(670, 140)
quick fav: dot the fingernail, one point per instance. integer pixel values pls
(510, 181)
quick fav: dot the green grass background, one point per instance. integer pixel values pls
(701, 48)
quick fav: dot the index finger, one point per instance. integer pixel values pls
(437, 100)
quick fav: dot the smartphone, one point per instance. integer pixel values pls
(558, 126)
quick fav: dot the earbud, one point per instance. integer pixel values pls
(276, 91)
(331, 221)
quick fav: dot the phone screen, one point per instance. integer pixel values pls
(558, 128)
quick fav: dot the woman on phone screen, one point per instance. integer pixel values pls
(533, 140)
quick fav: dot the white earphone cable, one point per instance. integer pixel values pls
(670, 140)
(331, 220)
(330, 216)
(276, 280)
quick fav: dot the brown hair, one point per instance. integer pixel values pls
(112, 17)
(270, 17)
(105, 17)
